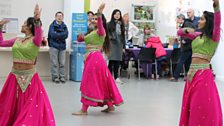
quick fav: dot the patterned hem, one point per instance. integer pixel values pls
(95, 100)
(32, 62)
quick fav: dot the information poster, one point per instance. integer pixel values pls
(79, 25)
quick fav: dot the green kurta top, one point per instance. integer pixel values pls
(204, 45)
(94, 39)
(25, 52)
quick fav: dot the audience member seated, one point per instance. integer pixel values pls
(147, 33)
(155, 42)
(173, 42)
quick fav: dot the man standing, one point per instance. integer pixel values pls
(180, 21)
(57, 34)
(186, 52)
(192, 17)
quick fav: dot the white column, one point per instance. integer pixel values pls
(71, 6)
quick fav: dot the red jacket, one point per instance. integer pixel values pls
(155, 42)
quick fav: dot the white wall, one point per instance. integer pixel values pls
(166, 15)
(165, 12)
(22, 9)
(123, 5)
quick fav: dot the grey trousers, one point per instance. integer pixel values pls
(57, 58)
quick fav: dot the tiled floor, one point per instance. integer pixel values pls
(147, 103)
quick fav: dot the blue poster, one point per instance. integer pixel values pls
(79, 25)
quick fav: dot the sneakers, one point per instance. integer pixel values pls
(172, 79)
(118, 81)
(153, 76)
(62, 80)
(56, 80)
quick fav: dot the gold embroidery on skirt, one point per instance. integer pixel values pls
(23, 77)
(194, 68)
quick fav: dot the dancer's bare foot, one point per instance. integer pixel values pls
(81, 112)
(109, 109)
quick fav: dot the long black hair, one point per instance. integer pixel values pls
(209, 24)
(188, 23)
(106, 44)
(112, 23)
(30, 23)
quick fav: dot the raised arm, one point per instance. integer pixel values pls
(101, 30)
(38, 35)
(5, 43)
(188, 33)
(217, 22)
(38, 31)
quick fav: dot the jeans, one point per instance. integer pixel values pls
(159, 62)
(185, 58)
(57, 58)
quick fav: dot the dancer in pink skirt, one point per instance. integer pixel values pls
(201, 104)
(23, 99)
(98, 87)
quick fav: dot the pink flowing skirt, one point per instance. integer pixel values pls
(98, 86)
(201, 104)
(31, 108)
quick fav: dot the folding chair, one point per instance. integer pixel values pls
(147, 55)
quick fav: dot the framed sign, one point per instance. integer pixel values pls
(143, 13)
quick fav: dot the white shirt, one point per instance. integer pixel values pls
(132, 30)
